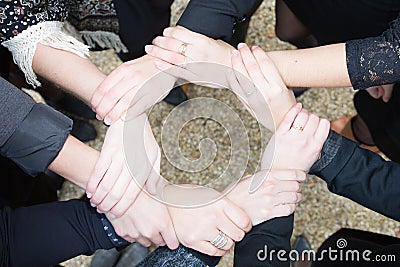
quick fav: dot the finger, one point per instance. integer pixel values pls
(289, 175)
(209, 249)
(387, 95)
(130, 197)
(107, 183)
(154, 176)
(252, 67)
(246, 85)
(102, 165)
(109, 82)
(288, 186)
(176, 71)
(112, 97)
(300, 122)
(172, 57)
(289, 119)
(230, 229)
(311, 126)
(122, 107)
(373, 91)
(225, 237)
(169, 236)
(322, 132)
(167, 43)
(284, 210)
(116, 194)
(288, 198)
(268, 69)
(144, 241)
(182, 34)
(237, 216)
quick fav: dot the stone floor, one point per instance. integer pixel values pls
(321, 213)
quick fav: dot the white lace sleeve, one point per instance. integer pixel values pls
(23, 46)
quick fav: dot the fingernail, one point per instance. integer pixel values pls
(148, 48)
(112, 216)
(241, 45)
(93, 205)
(254, 47)
(93, 110)
(99, 211)
(89, 195)
(98, 117)
(299, 105)
(235, 53)
(160, 64)
(107, 121)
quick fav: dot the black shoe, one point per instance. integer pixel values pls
(176, 97)
(301, 244)
(83, 130)
(72, 105)
(133, 255)
(105, 258)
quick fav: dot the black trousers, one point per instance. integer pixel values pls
(385, 250)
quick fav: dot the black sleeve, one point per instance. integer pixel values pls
(31, 134)
(216, 18)
(261, 245)
(47, 234)
(375, 61)
(360, 175)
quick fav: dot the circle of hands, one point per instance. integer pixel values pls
(126, 195)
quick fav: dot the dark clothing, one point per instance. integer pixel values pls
(382, 120)
(48, 234)
(28, 139)
(385, 250)
(360, 175)
(375, 61)
(334, 21)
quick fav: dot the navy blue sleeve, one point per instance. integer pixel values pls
(216, 18)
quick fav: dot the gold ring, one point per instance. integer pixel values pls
(182, 49)
(298, 128)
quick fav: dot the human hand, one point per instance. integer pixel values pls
(259, 86)
(199, 48)
(140, 225)
(130, 85)
(111, 187)
(197, 227)
(382, 91)
(277, 196)
(297, 142)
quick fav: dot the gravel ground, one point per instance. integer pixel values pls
(321, 213)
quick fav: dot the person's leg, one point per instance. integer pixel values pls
(290, 29)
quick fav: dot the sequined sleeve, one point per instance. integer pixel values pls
(375, 61)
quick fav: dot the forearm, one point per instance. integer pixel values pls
(75, 161)
(71, 72)
(75, 228)
(360, 175)
(323, 66)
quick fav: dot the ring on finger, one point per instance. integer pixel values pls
(220, 240)
(182, 49)
(297, 127)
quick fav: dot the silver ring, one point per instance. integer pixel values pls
(182, 49)
(220, 240)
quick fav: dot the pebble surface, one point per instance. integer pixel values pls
(321, 213)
